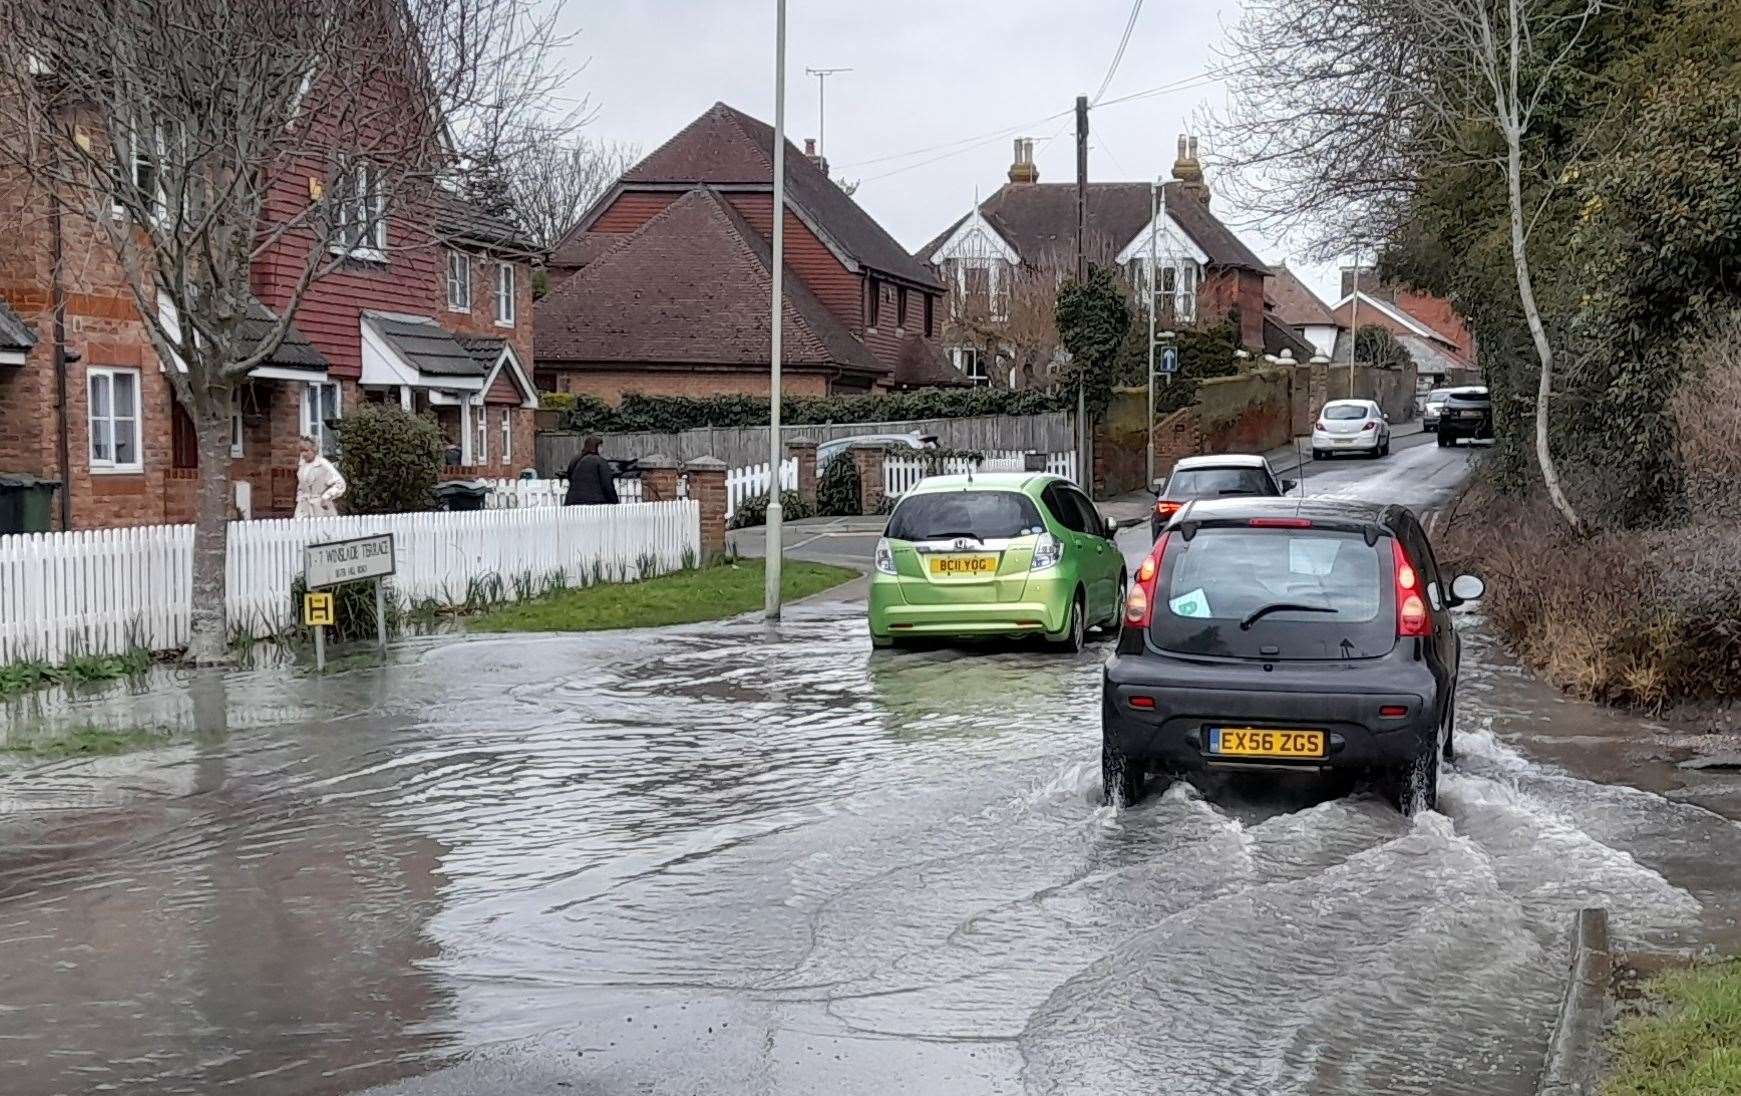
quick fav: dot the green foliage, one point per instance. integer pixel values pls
(1203, 352)
(1377, 346)
(86, 742)
(556, 401)
(674, 413)
(1092, 318)
(753, 511)
(837, 492)
(354, 606)
(1684, 1042)
(30, 674)
(390, 459)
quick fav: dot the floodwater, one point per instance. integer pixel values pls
(721, 860)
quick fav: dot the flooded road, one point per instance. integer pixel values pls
(725, 859)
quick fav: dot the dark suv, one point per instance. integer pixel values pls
(1286, 634)
(1466, 413)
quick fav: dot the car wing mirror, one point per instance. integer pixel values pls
(1156, 487)
(1289, 485)
(1467, 588)
(1126, 523)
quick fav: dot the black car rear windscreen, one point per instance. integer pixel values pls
(1270, 593)
(986, 515)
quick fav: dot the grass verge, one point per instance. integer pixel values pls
(1687, 1041)
(684, 597)
(84, 742)
(22, 677)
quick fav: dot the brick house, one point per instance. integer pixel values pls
(663, 287)
(1435, 334)
(431, 309)
(1205, 272)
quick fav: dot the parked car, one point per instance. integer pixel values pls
(1286, 635)
(828, 450)
(1218, 476)
(1351, 426)
(996, 554)
(1468, 413)
(1430, 408)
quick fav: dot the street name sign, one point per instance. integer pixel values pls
(347, 561)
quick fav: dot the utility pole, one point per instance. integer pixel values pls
(822, 76)
(771, 593)
(1084, 469)
(1154, 273)
(1353, 323)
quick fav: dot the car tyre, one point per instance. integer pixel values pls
(1075, 629)
(1115, 617)
(1443, 440)
(1414, 787)
(1384, 449)
(1122, 779)
(1450, 752)
(1317, 454)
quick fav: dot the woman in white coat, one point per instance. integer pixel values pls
(318, 483)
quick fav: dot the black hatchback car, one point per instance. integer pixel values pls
(1466, 413)
(1286, 634)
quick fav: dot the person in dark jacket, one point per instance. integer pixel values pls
(591, 479)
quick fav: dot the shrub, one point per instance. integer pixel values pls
(837, 491)
(674, 413)
(390, 459)
(1707, 416)
(556, 401)
(754, 511)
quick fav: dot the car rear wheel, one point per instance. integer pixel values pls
(1317, 454)
(1384, 450)
(1443, 439)
(1121, 778)
(1115, 615)
(1075, 630)
(1414, 787)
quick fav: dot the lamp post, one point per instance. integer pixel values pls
(771, 592)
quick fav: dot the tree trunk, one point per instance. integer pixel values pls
(1538, 334)
(209, 642)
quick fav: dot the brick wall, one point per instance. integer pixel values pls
(1227, 290)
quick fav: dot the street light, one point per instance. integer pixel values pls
(771, 592)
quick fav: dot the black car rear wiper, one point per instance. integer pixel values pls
(953, 536)
(1279, 606)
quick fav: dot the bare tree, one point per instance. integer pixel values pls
(554, 183)
(1341, 105)
(204, 140)
(1015, 327)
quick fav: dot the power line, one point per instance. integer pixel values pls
(1007, 131)
(1136, 9)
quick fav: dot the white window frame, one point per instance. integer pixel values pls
(238, 438)
(459, 281)
(313, 424)
(365, 205)
(970, 362)
(480, 425)
(106, 426)
(160, 200)
(505, 303)
(507, 435)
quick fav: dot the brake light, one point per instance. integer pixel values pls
(1411, 609)
(1139, 604)
(1280, 523)
(1370, 426)
(1393, 711)
(1166, 508)
(1145, 702)
(1322, 425)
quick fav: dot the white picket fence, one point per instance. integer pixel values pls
(103, 591)
(901, 474)
(752, 480)
(513, 494)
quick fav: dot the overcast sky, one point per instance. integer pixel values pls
(927, 75)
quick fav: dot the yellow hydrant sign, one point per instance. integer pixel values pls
(317, 610)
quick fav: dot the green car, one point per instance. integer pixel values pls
(999, 554)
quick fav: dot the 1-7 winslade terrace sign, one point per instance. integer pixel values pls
(342, 561)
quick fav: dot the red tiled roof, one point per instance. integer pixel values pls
(727, 148)
(1293, 302)
(690, 286)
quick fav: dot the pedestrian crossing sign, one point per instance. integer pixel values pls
(317, 609)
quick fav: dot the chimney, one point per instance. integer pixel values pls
(1022, 170)
(810, 154)
(1189, 170)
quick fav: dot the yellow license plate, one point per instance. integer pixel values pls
(964, 565)
(1254, 742)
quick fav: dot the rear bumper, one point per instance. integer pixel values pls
(1466, 428)
(1044, 607)
(1365, 441)
(1174, 734)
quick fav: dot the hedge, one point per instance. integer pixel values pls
(668, 414)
